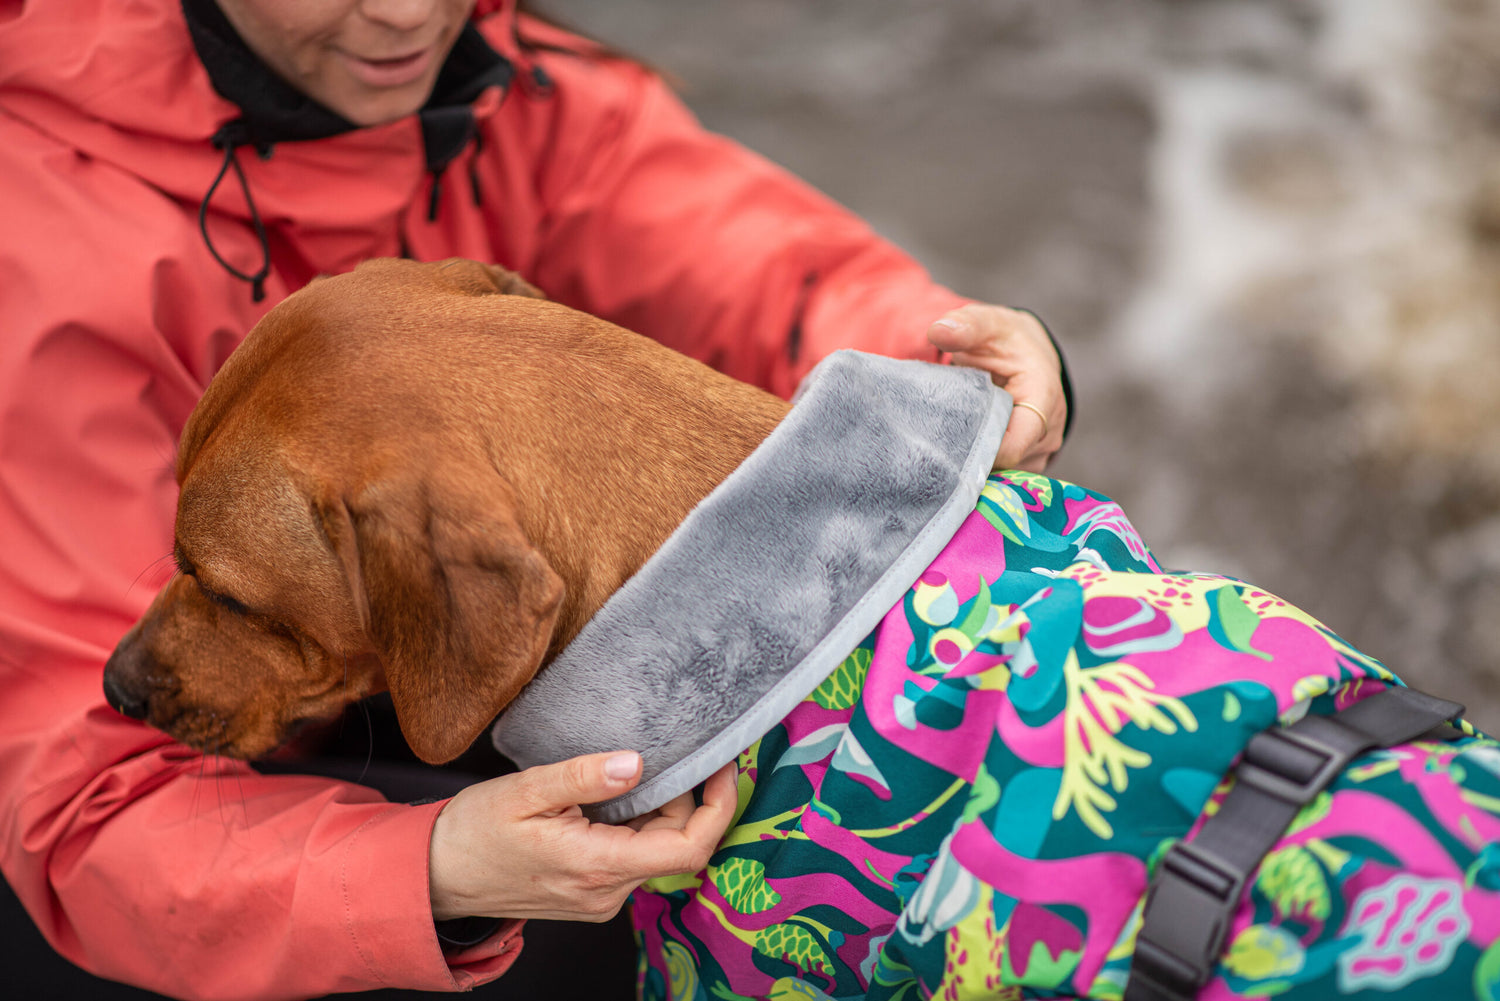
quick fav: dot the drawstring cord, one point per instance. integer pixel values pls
(446, 135)
(441, 132)
(435, 195)
(446, 131)
(474, 190)
(226, 139)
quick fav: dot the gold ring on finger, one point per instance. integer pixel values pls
(1046, 428)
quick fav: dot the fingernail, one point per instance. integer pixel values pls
(621, 766)
(952, 326)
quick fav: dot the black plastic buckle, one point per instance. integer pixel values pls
(1191, 901)
(1293, 766)
(1158, 975)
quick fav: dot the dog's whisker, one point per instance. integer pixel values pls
(215, 744)
(149, 568)
(193, 803)
(239, 785)
(344, 715)
(167, 459)
(239, 782)
(369, 741)
(208, 753)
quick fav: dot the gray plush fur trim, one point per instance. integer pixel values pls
(771, 580)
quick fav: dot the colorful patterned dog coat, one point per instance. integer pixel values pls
(971, 803)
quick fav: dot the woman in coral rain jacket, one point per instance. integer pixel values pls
(168, 172)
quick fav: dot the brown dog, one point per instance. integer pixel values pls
(424, 529)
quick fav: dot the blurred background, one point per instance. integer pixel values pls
(1266, 232)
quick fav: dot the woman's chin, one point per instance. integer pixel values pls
(365, 105)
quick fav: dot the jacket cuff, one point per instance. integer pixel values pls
(389, 916)
(1062, 365)
(1062, 360)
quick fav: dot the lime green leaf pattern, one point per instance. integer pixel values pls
(1487, 974)
(1334, 859)
(1042, 969)
(1162, 847)
(1231, 622)
(1264, 952)
(973, 953)
(1312, 812)
(1101, 700)
(985, 794)
(1295, 883)
(681, 882)
(793, 944)
(841, 689)
(792, 989)
(1039, 486)
(1000, 506)
(742, 882)
(1057, 748)
(682, 973)
(1382, 764)
(978, 616)
(1303, 692)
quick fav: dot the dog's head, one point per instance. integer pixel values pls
(343, 534)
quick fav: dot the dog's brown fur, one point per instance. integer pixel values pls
(407, 478)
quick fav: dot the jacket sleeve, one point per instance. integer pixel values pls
(675, 232)
(140, 859)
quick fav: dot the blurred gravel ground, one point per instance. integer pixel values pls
(1267, 232)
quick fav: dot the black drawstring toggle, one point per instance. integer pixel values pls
(541, 83)
(227, 139)
(445, 132)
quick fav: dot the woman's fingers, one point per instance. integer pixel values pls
(591, 778)
(684, 835)
(519, 845)
(1013, 347)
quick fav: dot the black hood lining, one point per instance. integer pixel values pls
(274, 111)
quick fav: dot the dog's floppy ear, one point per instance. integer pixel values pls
(475, 278)
(457, 603)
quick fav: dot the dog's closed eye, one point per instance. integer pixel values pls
(187, 569)
(224, 601)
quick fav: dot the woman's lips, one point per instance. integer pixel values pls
(395, 72)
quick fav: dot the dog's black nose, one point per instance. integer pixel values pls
(121, 699)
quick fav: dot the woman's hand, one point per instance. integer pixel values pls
(1013, 347)
(518, 846)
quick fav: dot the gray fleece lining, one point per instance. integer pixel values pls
(771, 580)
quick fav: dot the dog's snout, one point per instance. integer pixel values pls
(127, 674)
(119, 696)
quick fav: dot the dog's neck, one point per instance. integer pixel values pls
(635, 443)
(772, 578)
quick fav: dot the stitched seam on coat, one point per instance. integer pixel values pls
(369, 959)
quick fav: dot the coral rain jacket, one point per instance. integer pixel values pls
(143, 860)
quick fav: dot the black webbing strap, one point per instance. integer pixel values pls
(1198, 883)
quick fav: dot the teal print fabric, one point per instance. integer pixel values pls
(972, 804)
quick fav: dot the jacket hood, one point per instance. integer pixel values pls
(134, 67)
(167, 91)
(90, 65)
